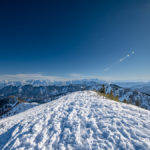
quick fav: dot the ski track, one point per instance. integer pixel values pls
(82, 121)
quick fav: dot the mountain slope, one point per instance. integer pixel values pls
(19, 108)
(131, 96)
(81, 120)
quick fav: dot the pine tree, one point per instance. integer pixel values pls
(137, 103)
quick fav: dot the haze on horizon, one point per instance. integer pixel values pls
(60, 40)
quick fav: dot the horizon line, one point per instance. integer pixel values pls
(69, 77)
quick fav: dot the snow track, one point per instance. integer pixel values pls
(82, 121)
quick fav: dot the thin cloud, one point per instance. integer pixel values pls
(69, 77)
(73, 76)
(38, 76)
(20, 77)
(127, 56)
(124, 58)
(106, 69)
(120, 61)
(77, 76)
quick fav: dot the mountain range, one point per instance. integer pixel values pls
(36, 92)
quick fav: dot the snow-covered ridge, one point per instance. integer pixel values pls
(81, 120)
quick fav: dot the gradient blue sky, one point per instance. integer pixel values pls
(75, 39)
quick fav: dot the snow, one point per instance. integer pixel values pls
(80, 120)
(19, 108)
(130, 96)
(37, 83)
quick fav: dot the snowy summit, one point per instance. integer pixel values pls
(82, 121)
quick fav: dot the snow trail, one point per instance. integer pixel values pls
(82, 121)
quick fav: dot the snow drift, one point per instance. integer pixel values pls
(81, 120)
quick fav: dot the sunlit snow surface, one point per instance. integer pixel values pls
(19, 108)
(82, 121)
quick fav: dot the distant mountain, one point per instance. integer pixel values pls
(138, 86)
(42, 94)
(36, 83)
(129, 84)
(145, 89)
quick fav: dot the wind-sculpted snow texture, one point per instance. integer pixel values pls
(81, 121)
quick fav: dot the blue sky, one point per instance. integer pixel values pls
(75, 39)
